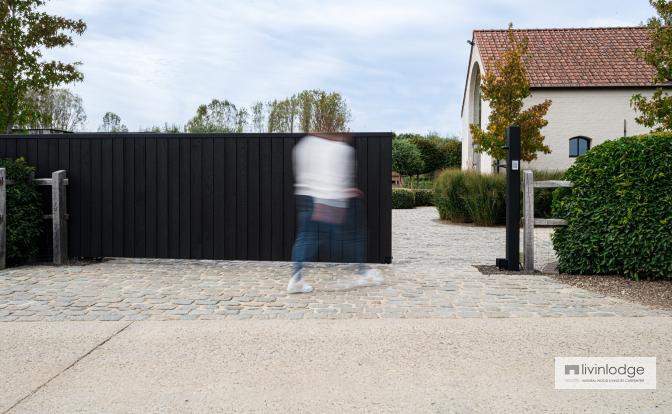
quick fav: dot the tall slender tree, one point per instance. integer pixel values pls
(25, 32)
(506, 86)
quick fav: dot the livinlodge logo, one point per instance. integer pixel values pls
(605, 372)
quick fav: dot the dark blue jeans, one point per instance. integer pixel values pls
(351, 235)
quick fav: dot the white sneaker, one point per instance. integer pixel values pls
(298, 286)
(371, 277)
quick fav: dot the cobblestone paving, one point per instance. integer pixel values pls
(432, 277)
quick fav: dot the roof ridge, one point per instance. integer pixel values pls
(564, 29)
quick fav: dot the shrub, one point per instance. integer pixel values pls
(437, 153)
(424, 197)
(619, 211)
(466, 196)
(24, 212)
(406, 158)
(430, 151)
(484, 198)
(448, 191)
(451, 150)
(403, 198)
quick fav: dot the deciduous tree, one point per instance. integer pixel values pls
(56, 109)
(218, 116)
(505, 87)
(25, 32)
(656, 112)
(112, 123)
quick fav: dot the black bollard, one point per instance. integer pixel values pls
(512, 261)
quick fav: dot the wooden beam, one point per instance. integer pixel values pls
(553, 184)
(3, 218)
(550, 222)
(59, 220)
(528, 223)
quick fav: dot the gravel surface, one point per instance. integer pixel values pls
(654, 293)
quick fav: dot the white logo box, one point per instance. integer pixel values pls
(605, 373)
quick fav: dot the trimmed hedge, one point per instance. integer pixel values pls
(24, 212)
(619, 210)
(424, 197)
(403, 198)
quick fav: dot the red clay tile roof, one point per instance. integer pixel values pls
(599, 57)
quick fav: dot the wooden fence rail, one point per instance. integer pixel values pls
(528, 214)
(59, 215)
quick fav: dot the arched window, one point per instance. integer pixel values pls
(578, 146)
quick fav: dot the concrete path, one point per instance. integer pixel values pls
(437, 337)
(432, 276)
(414, 366)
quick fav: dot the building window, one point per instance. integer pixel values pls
(578, 146)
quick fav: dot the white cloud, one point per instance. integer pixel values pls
(400, 64)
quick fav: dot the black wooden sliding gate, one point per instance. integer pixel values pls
(196, 196)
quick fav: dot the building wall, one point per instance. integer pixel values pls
(598, 114)
(480, 162)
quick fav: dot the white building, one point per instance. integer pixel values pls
(589, 74)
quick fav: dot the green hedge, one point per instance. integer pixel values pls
(437, 153)
(424, 197)
(24, 212)
(403, 198)
(466, 196)
(619, 210)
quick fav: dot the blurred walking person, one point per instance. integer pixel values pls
(324, 168)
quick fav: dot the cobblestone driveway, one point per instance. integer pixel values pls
(432, 277)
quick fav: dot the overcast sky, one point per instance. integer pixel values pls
(401, 65)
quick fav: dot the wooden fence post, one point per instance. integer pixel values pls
(3, 218)
(59, 217)
(528, 213)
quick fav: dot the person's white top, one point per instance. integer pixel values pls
(323, 169)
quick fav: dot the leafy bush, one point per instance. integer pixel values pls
(430, 152)
(467, 196)
(424, 197)
(619, 210)
(403, 198)
(448, 191)
(437, 153)
(406, 158)
(24, 212)
(451, 150)
(484, 198)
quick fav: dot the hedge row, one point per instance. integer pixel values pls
(414, 154)
(406, 198)
(619, 210)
